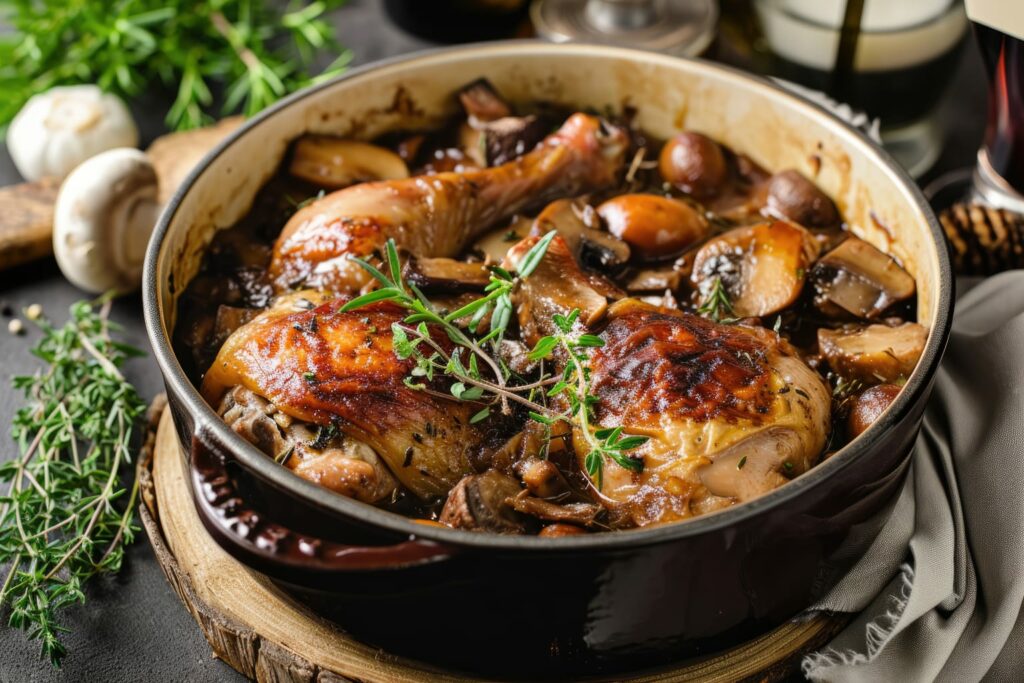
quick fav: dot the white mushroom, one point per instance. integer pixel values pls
(105, 213)
(59, 129)
(335, 163)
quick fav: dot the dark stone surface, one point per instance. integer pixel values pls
(133, 627)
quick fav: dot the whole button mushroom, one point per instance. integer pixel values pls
(105, 213)
(695, 164)
(794, 197)
(59, 129)
(654, 227)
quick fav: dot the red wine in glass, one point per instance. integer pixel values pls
(999, 29)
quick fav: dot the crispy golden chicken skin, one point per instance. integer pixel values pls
(325, 367)
(731, 411)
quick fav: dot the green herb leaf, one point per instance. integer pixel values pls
(382, 294)
(533, 257)
(477, 417)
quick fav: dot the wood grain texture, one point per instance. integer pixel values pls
(264, 634)
(26, 220)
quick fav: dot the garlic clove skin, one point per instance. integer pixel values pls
(105, 213)
(59, 129)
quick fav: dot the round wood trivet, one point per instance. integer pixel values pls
(267, 636)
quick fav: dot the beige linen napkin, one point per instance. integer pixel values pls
(940, 591)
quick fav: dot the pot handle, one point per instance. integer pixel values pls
(275, 549)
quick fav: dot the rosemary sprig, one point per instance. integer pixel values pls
(252, 50)
(66, 517)
(715, 303)
(574, 386)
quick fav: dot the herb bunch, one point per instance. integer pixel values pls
(412, 339)
(66, 517)
(251, 50)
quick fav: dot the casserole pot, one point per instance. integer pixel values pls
(545, 607)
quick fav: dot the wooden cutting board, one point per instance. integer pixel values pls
(263, 633)
(26, 210)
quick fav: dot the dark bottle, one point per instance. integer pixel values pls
(460, 21)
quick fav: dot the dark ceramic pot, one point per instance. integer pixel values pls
(540, 607)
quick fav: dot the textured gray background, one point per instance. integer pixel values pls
(133, 628)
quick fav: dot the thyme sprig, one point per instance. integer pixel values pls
(408, 338)
(66, 517)
(574, 387)
(412, 339)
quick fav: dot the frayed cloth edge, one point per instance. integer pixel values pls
(877, 633)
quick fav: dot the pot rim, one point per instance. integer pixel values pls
(207, 421)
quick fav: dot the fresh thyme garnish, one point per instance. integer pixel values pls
(716, 304)
(574, 387)
(66, 516)
(411, 339)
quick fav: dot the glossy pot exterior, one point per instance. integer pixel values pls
(528, 606)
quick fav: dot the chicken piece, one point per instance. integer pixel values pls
(732, 412)
(439, 215)
(336, 462)
(325, 367)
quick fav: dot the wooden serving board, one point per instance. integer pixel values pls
(264, 634)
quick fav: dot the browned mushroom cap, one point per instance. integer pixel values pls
(566, 217)
(762, 266)
(695, 164)
(655, 280)
(794, 197)
(874, 354)
(654, 227)
(482, 102)
(859, 279)
(560, 530)
(542, 478)
(479, 503)
(335, 163)
(445, 274)
(869, 406)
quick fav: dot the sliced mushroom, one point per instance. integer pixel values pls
(762, 267)
(655, 280)
(557, 285)
(794, 197)
(584, 241)
(582, 514)
(335, 163)
(542, 478)
(479, 502)
(756, 465)
(695, 164)
(445, 274)
(482, 102)
(869, 406)
(875, 354)
(859, 279)
(655, 227)
(511, 137)
(494, 245)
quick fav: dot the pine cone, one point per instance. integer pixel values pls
(983, 240)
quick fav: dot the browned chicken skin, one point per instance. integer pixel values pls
(439, 215)
(732, 412)
(325, 367)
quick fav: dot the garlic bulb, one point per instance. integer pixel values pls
(59, 129)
